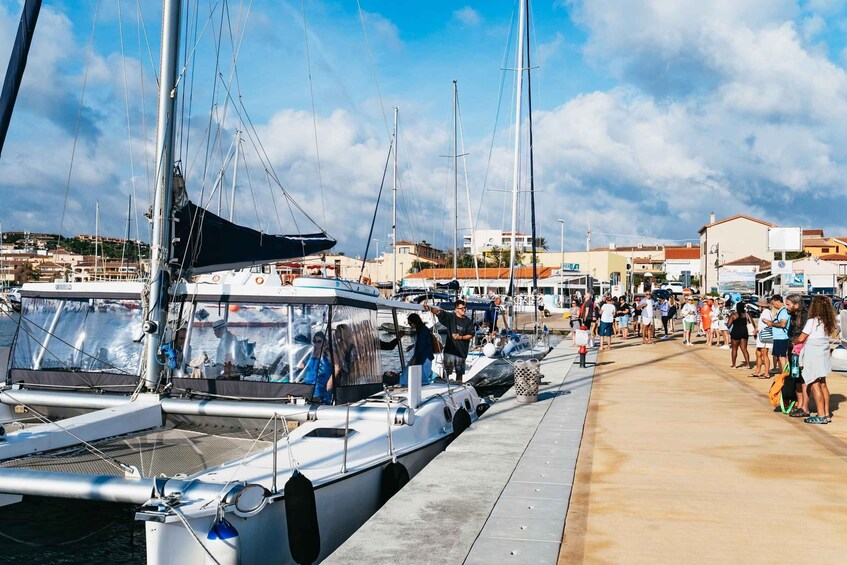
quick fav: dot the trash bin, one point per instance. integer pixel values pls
(527, 380)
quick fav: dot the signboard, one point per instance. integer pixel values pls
(571, 267)
(785, 239)
(797, 280)
(736, 281)
(616, 290)
(782, 267)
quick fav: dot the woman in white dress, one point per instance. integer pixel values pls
(815, 355)
(764, 342)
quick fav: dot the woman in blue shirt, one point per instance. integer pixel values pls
(317, 369)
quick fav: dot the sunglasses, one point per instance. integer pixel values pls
(460, 308)
(317, 341)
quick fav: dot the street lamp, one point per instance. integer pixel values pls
(716, 251)
(562, 265)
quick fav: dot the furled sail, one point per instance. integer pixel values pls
(17, 64)
(206, 243)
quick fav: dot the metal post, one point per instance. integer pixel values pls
(516, 178)
(346, 436)
(156, 316)
(276, 448)
(394, 285)
(562, 265)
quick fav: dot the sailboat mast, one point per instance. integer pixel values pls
(455, 182)
(517, 172)
(234, 176)
(531, 171)
(96, 237)
(156, 314)
(394, 205)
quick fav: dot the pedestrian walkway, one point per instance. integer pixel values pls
(683, 461)
(499, 492)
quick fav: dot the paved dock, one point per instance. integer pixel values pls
(499, 492)
(680, 458)
(683, 460)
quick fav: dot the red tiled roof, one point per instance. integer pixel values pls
(682, 252)
(833, 257)
(739, 216)
(484, 273)
(812, 233)
(751, 260)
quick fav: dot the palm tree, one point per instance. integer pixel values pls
(541, 242)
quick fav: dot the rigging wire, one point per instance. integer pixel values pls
(376, 208)
(373, 67)
(128, 125)
(314, 115)
(79, 118)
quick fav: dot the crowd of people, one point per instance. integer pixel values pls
(788, 337)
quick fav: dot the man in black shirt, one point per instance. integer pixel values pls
(459, 334)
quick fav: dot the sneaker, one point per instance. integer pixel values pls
(724, 347)
(690, 344)
(666, 337)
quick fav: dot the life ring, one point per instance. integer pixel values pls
(216, 278)
(260, 280)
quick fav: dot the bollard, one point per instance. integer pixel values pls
(582, 342)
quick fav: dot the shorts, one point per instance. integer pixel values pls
(763, 344)
(623, 321)
(605, 329)
(780, 347)
(646, 321)
(453, 362)
(688, 325)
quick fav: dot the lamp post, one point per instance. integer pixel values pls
(562, 264)
(716, 251)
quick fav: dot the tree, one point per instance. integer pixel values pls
(499, 257)
(541, 243)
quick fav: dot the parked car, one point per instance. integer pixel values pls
(660, 293)
(674, 287)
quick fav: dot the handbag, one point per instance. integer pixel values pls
(766, 335)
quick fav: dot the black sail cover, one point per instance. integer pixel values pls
(206, 243)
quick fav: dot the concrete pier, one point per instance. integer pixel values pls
(499, 492)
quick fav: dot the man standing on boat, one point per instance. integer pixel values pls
(459, 334)
(495, 313)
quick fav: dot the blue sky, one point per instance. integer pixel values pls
(648, 115)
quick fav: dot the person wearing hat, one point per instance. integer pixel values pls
(226, 352)
(764, 341)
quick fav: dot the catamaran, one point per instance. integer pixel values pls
(247, 419)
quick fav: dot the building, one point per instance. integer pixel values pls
(410, 257)
(486, 240)
(679, 260)
(728, 240)
(817, 246)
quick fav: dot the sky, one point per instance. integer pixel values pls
(647, 115)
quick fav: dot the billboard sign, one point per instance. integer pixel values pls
(736, 281)
(785, 239)
(797, 280)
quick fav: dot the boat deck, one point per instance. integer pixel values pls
(168, 451)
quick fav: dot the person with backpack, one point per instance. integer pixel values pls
(813, 343)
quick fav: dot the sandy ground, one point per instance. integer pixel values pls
(683, 461)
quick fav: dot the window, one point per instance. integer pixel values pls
(97, 335)
(825, 250)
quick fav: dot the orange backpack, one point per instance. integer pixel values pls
(775, 392)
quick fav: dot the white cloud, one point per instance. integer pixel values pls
(468, 16)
